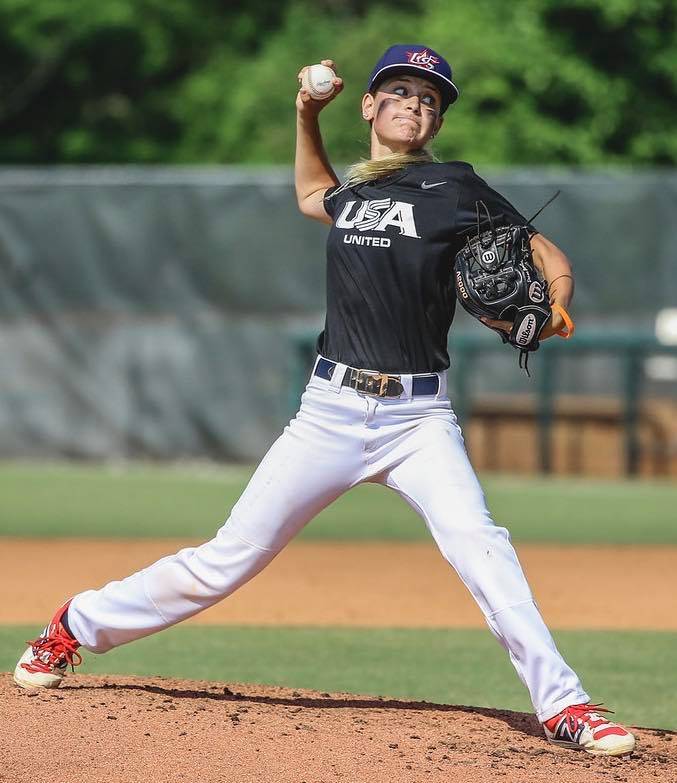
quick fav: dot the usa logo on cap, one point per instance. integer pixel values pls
(423, 58)
(417, 60)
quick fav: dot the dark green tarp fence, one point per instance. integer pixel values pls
(154, 312)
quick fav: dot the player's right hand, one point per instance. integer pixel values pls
(306, 105)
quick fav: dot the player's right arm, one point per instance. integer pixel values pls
(313, 173)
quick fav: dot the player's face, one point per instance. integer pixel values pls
(405, 112)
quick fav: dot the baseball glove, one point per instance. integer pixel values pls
(496, 278)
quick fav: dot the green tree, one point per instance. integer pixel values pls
(85, 82)
(572, 82)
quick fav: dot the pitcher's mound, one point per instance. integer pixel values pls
(138, 730)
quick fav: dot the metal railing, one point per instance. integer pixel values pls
(630, 350)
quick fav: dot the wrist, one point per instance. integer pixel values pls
(556, 320)
(308, 117)
(562, 323)
(561, 290)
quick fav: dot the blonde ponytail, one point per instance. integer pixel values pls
(368, 170)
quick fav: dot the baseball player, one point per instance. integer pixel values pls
(375, 408)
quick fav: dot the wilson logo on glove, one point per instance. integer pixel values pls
(526, 330)
(536, 293)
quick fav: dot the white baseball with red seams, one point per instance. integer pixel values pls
(341, 438)
(318, 80)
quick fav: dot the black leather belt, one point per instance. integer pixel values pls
(378, 384)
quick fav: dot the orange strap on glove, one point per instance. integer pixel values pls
(568, 321)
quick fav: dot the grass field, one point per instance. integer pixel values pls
(148, 501)
(451, 667)
(633, 672)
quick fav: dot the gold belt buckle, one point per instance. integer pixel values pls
(376, 384)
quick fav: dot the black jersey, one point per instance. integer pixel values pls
(390, 250)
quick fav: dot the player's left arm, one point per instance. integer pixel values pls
(559, 277)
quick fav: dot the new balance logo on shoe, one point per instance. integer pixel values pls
(581, 727)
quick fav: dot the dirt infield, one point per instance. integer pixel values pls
(369, 584)
(95, 730)
(129, 730)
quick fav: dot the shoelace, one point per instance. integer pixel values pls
(578, 712)
(57, 648)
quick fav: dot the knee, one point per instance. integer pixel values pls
(470, 533)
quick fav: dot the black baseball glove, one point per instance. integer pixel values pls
(496, 278)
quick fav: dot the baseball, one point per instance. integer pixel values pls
(317, 79)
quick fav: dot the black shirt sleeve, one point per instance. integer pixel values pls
(473, 190)
(329, 201)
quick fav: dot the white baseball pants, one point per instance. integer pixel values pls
(338, 439)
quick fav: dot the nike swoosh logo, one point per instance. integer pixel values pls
(427, 186)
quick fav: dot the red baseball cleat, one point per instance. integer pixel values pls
(44, 663)
(580, 726)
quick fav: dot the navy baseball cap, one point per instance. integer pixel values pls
(417, 60)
